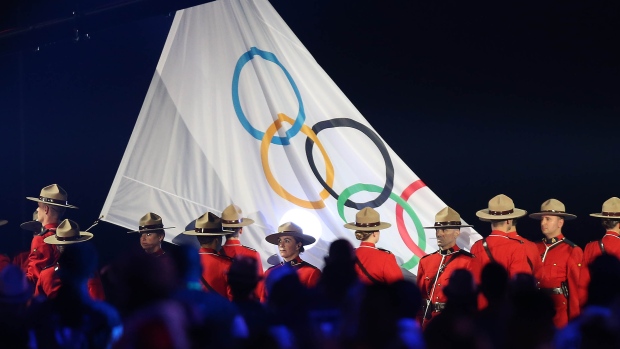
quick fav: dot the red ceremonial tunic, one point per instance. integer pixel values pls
(611, 245)
(380, 264)
(450, 260)
(41, 255)
(214, 272)
(308, 274)
(533, 258)
(49, 283)
(561, 261)
(233, 247)
(506, 250)
(21, 260)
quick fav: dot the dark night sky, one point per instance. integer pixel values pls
(520, 98)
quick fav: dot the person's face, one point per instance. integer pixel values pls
(446, 238)
(551, 225)
(41, 212)
(150, 241)
(288, 247)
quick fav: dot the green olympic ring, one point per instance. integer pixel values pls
(356, 188)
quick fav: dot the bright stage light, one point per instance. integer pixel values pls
(307, 221)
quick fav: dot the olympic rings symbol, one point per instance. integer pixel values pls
(297, 125)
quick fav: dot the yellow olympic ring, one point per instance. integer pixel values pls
(264, 152)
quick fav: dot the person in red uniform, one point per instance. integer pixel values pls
(34, 227)
(373, 265)
(209, 232)
(232, 219)
(435, 269)
(500, 246)
(291, 240)
(151, 229)
(608, 244)
(561, 261)
(531, 250)
(52, 205)
(50, 282)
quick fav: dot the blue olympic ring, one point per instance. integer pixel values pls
(301, 116)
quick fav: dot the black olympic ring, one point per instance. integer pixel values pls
(389, 167)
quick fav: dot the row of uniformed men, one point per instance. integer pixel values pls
(51, 234)
(559, 265)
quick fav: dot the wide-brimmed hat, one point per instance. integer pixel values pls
(367, 219)
(53, 195)
(232, 217)
(290, 229)
(552, 207)
(68, 232)
(611, 209)
(208, 225)
(33, 225)
(149, 222)
(3, 222)
(14, 286)
(500, 207)
(448, 218)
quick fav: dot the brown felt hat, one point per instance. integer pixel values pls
(611, 209)
(208, 225)
(232, 217)
(68, 232)
(367, 219)
(448, 218)
(149, 222)
(552, 207)
(290, 229)
(500, 207)
(53, 195)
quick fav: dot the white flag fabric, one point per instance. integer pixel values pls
(238, 111)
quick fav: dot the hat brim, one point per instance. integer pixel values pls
(209, 233)
(565, 216)
(449, 226)
(3, 222)
(50, 203)
(600, 215)
(305, 239)
(381, 226)
(484, 215)
(32, 226)
(84, 236)
(147, 230)
(244, 223)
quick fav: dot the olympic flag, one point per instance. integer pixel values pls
(238, 111)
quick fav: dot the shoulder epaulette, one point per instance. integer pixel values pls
(570, 243)
(430, 254)
(49, 266)
(467, 253)
(249, 248)
(384, 250)
(225, 257)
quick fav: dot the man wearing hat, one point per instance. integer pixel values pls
(291, 240)
(561, 260)
(435, 269)
(374, 265)
(232, 219)
(209, 232)
(152, 234)
(49, 282)
(500, 246)
(608, 244)
(52, 203)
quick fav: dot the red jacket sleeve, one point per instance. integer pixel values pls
(574, 264)
(391, 270)
(41, 255)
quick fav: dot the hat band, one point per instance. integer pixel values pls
(500, 213)
(206, 230)
(68, 238)
(235, 221)
(552, 211)
(373, 224)
(54, 201)
(439, 224)
(151, 226)
(611, 214)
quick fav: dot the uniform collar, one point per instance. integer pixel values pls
(207, 250)
(293, 262)
(500, 233)
(611, 232)
(449, 251)
(367, 244)
(554, 239)
(158, 253)
(230, 242)
(50, 226)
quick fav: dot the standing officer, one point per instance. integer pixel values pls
(151, 229)
(209, 232)
(373, 265)
(500, 246)
(232, 219)
(435, 269)
(608, 244)
(52, 203)
(561, 261)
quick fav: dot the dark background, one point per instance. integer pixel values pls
(481, 98)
